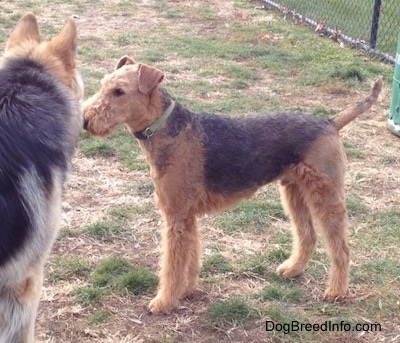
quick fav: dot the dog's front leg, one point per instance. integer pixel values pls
(179, 241)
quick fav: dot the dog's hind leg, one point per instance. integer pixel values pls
(179, 237)
(326, 200)
(304, 236)
(331, 216)
(18, 309)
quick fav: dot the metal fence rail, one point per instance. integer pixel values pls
(372, 25)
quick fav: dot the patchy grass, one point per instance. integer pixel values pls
(139, 280)
(67, 267)
(104, 231)
(217, 264)
(116, 274)
(89, 295)
(98, 317)
(282, 294)
(224, 57)
(351, 151)
(252, 216)
(231, 312)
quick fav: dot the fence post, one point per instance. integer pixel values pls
(394, 112)
(375, 23)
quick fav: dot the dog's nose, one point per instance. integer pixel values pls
(85, 123)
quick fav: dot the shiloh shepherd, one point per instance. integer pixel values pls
(40, 122)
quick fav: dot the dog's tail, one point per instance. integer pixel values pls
(346, 116)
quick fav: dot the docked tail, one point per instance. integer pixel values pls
(346, 116)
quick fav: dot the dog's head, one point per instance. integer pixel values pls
(127, 96)
(56, 55)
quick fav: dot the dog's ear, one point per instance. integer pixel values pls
(26, 29)
(124, 60)
(149, 78)
(64, 45)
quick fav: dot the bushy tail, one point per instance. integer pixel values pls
(346, 116)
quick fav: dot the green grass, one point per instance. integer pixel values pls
(89, 295)
(387, 267)
(96, 147)
(250, 216)
(97, 317)
(353, 152)
(118, 274)
(124, 213)
(217, 264)
(323, 112)
(255, 264)
(236, 70)
(68, 267)
(120, 144)
(234, 311)
(104, 231)
(110, 269)
(356, 207)
(140, 280)
(350, 73)
(66, 232)
(279, 293)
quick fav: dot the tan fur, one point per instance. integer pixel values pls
(57, 55)
(312, 190)
(346, 116)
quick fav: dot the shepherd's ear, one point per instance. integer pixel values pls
(26, 29)
(124, 60)
(64, 45)
(149, 78)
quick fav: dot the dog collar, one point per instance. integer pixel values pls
(152, 129)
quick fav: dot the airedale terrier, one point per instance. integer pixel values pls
(40, 122)
(202, 163)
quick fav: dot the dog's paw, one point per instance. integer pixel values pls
(333, 295)
(158, 305)
(289, 270)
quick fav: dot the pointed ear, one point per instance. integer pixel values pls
(26, 29)
(64, 45)
(149, 78)
(124, 60)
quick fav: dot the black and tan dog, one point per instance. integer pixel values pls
(40, 122)
(202, 163)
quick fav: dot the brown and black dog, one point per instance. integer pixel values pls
(202, 163)
(40, 122)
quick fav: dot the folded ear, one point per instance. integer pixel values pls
(26, 29)
(124, 60)
(149, 78)
(64, 45)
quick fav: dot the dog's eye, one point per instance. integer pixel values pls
(118, 92)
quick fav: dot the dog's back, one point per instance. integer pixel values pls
(39, 127)
(35, 149)
(247, 152)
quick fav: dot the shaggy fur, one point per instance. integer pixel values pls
(202, 163)
(39, 125)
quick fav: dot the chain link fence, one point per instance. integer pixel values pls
(372, 25)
